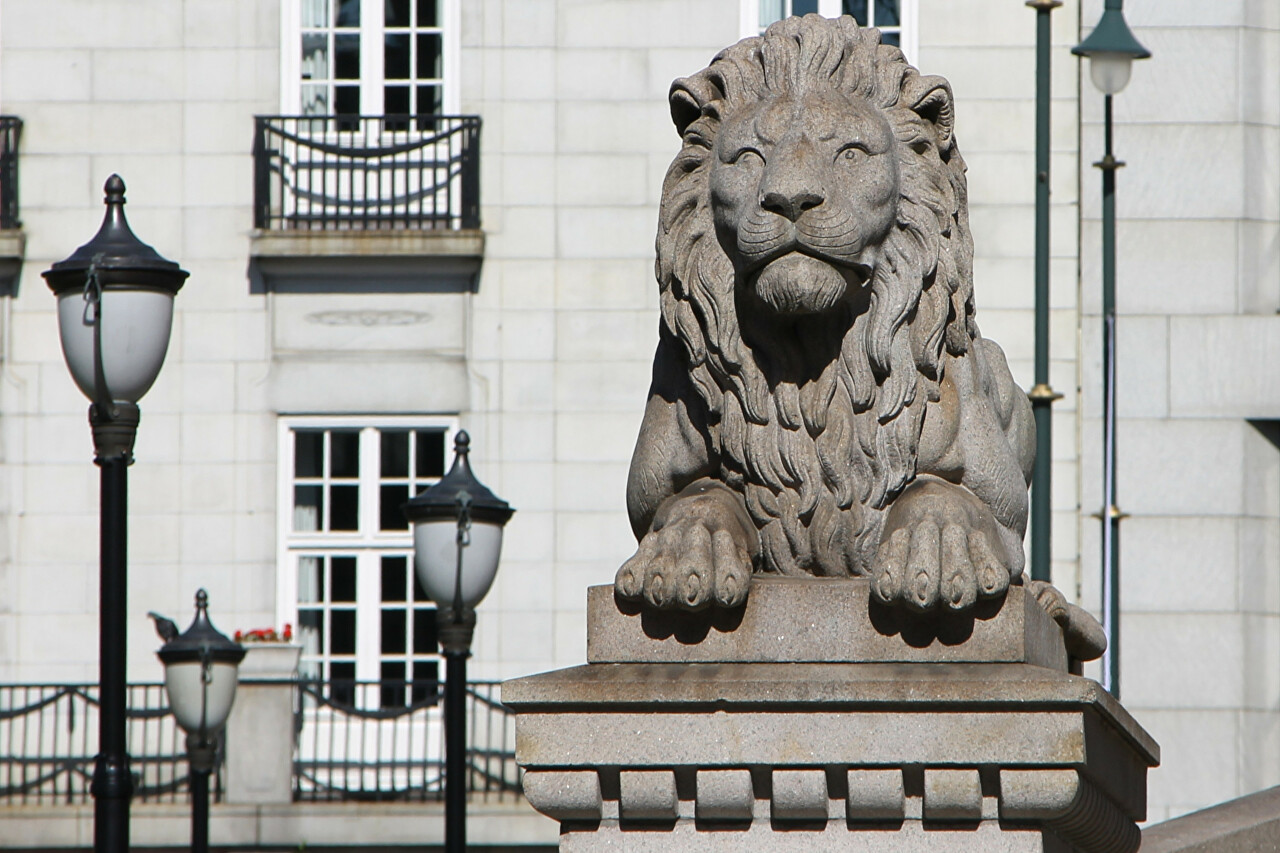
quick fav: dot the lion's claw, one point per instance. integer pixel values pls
(939, 551)
(686, 566)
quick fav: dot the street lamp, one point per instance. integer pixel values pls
(457, 537)
(115, 310)
(201, 670)
(1111, 49)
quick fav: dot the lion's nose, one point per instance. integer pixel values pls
(791, 203)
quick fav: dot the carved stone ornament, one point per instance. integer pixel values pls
(822, 401)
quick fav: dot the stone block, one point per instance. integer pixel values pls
(952, 795)
(647, 795)
(799, 795)
(819, 620)
(724, 795)
(875, 795)
(565, 795)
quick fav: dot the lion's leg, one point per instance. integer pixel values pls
(698, 552)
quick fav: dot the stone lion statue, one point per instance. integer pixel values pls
(822, 401)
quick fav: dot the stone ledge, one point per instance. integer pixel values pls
(330, 244)
(821, 620)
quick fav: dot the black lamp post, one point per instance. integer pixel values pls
(457, 539)
(115, 310)
(201, 670)
(1111, 49)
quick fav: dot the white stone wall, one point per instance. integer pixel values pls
(1198, 287)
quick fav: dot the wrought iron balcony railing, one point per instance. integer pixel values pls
(360, 173)
(352, 741)
(10, 133)
(385, 741)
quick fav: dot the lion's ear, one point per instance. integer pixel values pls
(688, 96)
(930, 98)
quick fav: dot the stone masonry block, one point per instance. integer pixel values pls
(565, 794)
(876, 795)
(647, 795)
(799, 795)
(952, 795)
(724, 795)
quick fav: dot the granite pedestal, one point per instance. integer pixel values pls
(811, 721)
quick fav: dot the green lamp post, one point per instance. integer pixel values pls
(1111, 49)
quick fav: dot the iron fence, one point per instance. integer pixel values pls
(10, 133)
(366, 172)
(49, 737)
(354, 744)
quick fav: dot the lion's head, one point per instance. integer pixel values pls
(814, 259)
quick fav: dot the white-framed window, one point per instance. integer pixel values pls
(369, 57)
(896, 19)
(346, 580)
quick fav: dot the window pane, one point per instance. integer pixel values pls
(344, 453)
(315, 13)
(419, 594)
(342, 579)
(308, 508)
(393, 632)
(890, 38)
(308, 453)
(342, 629)
(346, 52)
(395, 453)
(392, 677)
(395, 56)
(430, 103)
(429, 66)
(311, 632)
(803, 7)
(346, 102)
(343, 510)
(348, 13)
(857, 8)
(395, 102)
(425, 641)
(315, 56)
(397, 13)
(426, 681)
(310, 580)
(428, 13)
(887, 13)
(342, 687)
(391, 498)
(430, 453)
(394, 578)
(315, 100)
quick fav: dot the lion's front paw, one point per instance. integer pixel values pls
(688, 564)
(940, 550)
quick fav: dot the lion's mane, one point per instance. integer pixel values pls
(819, 452)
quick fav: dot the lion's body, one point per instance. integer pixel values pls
(816, 419)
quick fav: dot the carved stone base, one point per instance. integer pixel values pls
(821, 756)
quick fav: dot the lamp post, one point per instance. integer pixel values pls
(457, 538)
(1111, 49)
(201, 670)
(115, 310)
(1042, 395)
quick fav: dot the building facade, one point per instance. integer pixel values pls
(348, 312)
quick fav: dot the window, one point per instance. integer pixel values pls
(894, 18)
(369, 57)
(346, 552)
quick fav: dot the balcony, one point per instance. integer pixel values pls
(390, 201)
(12, 240)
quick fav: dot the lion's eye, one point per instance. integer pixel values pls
(747, 156)
(852, 151)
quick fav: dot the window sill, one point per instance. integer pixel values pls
(365, 261)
